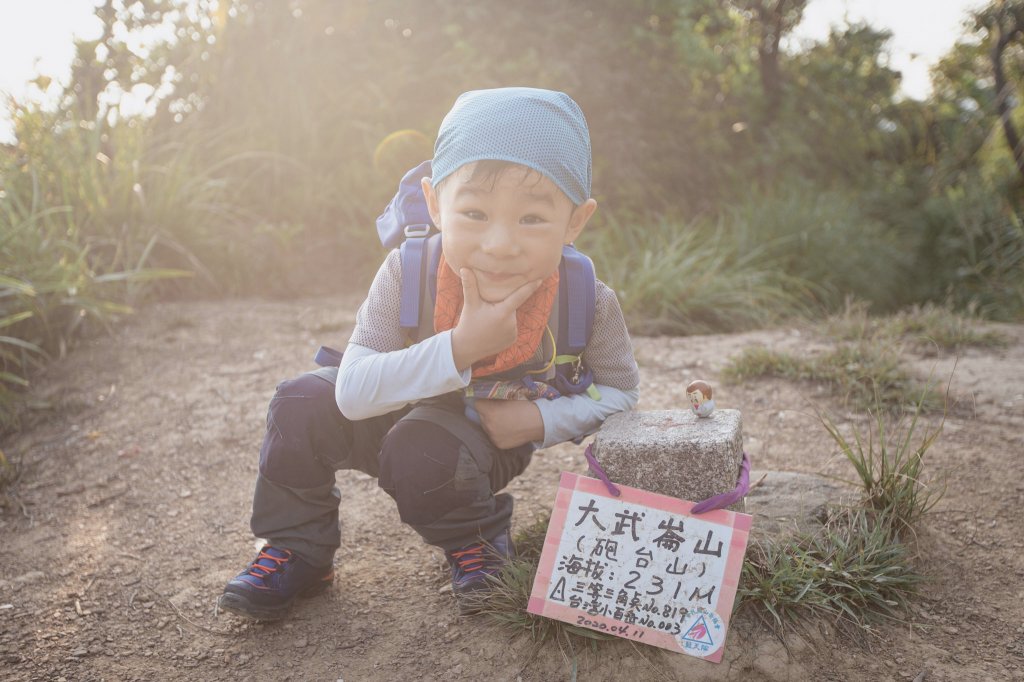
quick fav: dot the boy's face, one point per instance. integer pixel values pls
(508, 232)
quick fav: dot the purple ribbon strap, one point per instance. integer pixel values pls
(596, 469)
(715, 502)
(725, 499)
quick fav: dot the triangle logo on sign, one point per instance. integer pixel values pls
(699, 633)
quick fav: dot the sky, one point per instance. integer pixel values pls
(36, 37)
(923, 30)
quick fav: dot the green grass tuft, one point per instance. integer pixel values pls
(849, 571)
(889, 466)
(505, 604)
(675, 278)
(864, 373)
(927, 326)
(8, 472)
(858, 565)
(756, 362)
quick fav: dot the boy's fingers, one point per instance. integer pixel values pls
(519, 296)
(470, 292)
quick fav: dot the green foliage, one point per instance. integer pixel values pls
(967, 249)
(767, 256)
(844, 96)
(290, 109)
(75, 241)
(823, 239)
(989, 264)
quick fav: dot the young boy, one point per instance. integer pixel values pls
(510, 186)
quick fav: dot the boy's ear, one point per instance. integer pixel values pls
(432, 205)
(578, 220)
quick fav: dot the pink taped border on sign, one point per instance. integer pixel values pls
(699, 629)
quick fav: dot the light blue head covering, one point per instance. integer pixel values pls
(541, 129)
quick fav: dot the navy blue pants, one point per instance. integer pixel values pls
(440, 468)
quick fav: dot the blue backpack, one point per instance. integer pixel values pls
(406, 224)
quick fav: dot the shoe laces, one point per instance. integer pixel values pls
(268, 563)
(470, 558)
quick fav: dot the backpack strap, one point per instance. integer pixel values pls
(577, 300)
(414, 273)
(429, 294)
(421, 256)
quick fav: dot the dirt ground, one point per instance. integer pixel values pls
(132, 512)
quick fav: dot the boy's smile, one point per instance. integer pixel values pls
(509, 230)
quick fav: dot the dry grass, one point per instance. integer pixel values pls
(865, 374)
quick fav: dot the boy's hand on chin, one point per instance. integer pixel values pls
(510, 423)
(485, 329)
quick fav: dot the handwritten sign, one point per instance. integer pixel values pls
(640, 566)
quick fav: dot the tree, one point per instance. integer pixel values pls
(773, 19)
(1004, 22)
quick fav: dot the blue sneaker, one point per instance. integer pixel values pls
(474, 569)
(271, 583)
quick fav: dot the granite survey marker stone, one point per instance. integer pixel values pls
(672, 452)
(784, 502)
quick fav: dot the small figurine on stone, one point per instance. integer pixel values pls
(699, 393)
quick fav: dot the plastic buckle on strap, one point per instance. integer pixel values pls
(328, 357)
(418, 230)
